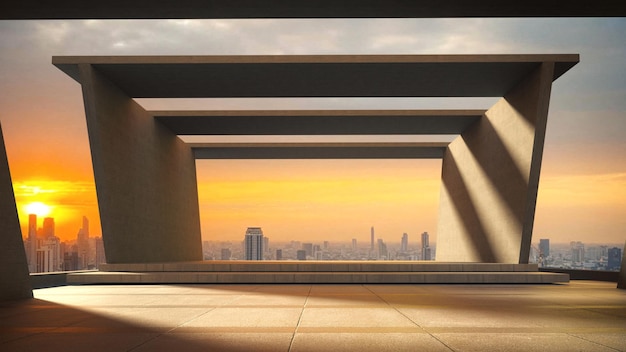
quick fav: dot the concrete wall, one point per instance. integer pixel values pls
(14, 277)
(490, 176)
(145, 179)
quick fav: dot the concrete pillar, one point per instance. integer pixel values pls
(145, 179)
(14, 276)
(490, 176)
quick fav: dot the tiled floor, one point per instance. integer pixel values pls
(579, 316)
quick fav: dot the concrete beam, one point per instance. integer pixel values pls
(316, 75)
(14, 276)
(490, 177)
(317, 122)
(164, 9)
(318, 150)
(145, 179)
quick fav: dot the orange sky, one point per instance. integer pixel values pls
(582, 194)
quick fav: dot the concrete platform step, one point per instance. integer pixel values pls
(338, 277)
(318, 266)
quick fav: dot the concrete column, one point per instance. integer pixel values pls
(490, 176)
(145, 179)
(14, 276)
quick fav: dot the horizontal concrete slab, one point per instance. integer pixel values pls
(318, 266)
(317, 122)
(151, 9)
(318, 277)
(318, 150)
(315, 75)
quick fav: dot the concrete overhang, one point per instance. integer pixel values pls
(315, 76)
(425, 150)
(317, 122)
(165, 9)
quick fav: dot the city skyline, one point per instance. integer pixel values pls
(582, 192)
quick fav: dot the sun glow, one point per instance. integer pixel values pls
(38, 208)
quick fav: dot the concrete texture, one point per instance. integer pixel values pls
(579, 316)
(490, 177)
(14, 278)
(160, 9)
(145, 179)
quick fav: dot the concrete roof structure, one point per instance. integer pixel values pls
(146, 179)
(167, 9)
(424, 150)
(317, 122)
(316, 75)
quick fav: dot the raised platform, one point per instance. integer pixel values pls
(301, 272)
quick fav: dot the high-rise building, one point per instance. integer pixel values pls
(404, 245)
(48, 227)
(308, 248)
(279, 254)
(82, 243)
(354, 245)
(544, 247)
(301, 254)
(266, 244)
(253, 244)
(578, 252)
(382, 249)
(426, 254)
(372, 239)
(32, 243)
(614, 258)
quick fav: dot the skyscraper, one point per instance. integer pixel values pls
(426, 247)
(614, 258)
(48, 227)
(372, 239)
(404, 245)
(82, 243)
(32, 243)
(544, 247)
(253, 244)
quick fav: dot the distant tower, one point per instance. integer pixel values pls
(382, 249)
(354, 244)
(253, 244)
(279, 254)
(372, 239)
(32, 243)
(426, 247)
(544, 247)
(48, 227)
(308, 248)
(82, 244)
(404, 245)
(614, 258)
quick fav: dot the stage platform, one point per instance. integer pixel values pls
(314, 272)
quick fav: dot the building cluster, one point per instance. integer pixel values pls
(45, 252)
(256, 246)
(577, 255)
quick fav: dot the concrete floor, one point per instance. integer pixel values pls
(578, 316)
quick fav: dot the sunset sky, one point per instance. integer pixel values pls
(582, 194)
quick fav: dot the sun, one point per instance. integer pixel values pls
(38, 208)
